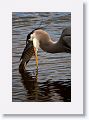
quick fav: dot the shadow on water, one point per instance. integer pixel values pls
(47, 91)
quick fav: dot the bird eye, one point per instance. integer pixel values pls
(31, 38)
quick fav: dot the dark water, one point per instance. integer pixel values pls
(53, 81)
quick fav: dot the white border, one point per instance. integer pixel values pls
(76, 104)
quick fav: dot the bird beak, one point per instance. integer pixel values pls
(36, 57)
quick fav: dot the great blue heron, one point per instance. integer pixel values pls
(40, 38)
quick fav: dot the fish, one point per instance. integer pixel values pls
(27, 54)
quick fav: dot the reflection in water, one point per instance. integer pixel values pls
(47, 91)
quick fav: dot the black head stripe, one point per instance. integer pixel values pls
(29, 35)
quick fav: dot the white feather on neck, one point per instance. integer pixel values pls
(36, 43)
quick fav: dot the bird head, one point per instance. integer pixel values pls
(32, 37)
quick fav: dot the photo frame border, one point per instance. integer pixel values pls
(76, 104)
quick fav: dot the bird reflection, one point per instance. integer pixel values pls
(45, 91)
(31, 85)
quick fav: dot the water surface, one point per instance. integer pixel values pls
(53, 81)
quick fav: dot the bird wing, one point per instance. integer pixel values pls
(65, 39)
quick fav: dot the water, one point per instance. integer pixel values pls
(53, 81)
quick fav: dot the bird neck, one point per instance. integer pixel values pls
(53, 47)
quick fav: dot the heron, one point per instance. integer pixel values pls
(41, 39)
